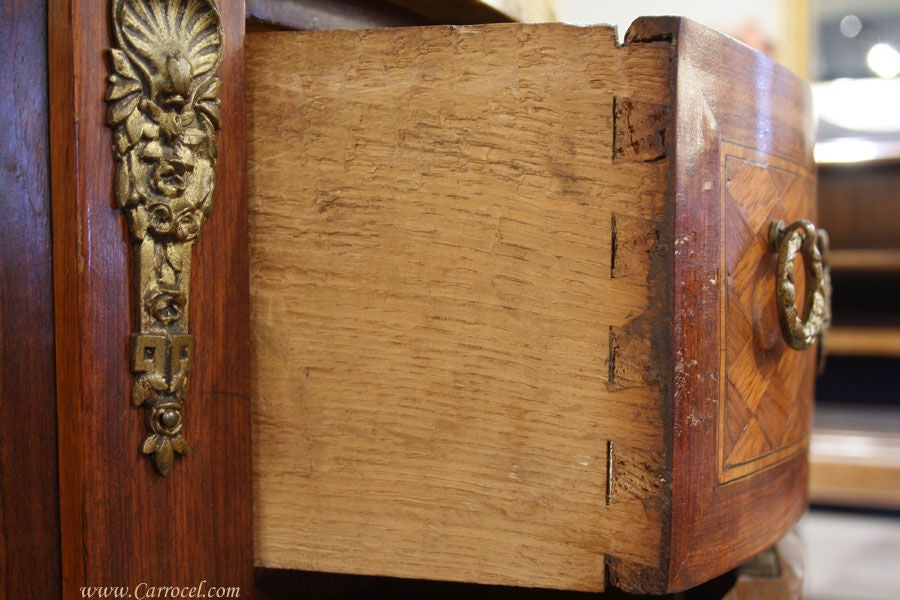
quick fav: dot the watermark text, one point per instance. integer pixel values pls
(145, 591)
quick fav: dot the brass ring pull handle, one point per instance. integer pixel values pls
(801, 237)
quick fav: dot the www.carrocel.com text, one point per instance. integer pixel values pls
(144, 591)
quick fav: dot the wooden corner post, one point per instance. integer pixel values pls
(140, 127)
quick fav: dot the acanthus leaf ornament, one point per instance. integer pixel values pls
(163, 107)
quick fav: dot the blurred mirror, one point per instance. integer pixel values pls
(856, 39)
(856, 60)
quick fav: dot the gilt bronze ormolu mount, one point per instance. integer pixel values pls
(163, 107)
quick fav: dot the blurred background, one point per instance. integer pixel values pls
(850, 51)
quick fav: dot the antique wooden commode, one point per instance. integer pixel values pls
(505, 304)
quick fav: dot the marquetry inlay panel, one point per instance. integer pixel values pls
(763, 414)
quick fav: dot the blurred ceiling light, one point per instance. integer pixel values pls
(884, 60)
(845, 151)
(860, 105)
(851, 26)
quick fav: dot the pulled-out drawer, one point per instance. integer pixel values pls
(514, 305)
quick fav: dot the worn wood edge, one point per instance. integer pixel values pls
(623, 574)
(653, 29)
(89, 278)
(690, 560)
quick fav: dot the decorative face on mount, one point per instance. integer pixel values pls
(164, 111)
(163, 103)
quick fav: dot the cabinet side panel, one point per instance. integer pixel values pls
(121, 523)
(29, 507)
(742, 398)
(448, 353)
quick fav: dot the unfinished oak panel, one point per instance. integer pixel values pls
(446, 345)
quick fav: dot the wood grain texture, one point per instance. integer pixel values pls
(29, 507)
(764, 408)
(434, 300)
(122, 524)
(726, 94)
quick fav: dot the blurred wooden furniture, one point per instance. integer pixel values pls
(854, 467)
(661, 383)
(855, 459)
(860, 203)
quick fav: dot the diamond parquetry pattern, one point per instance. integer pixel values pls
(765, 417)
